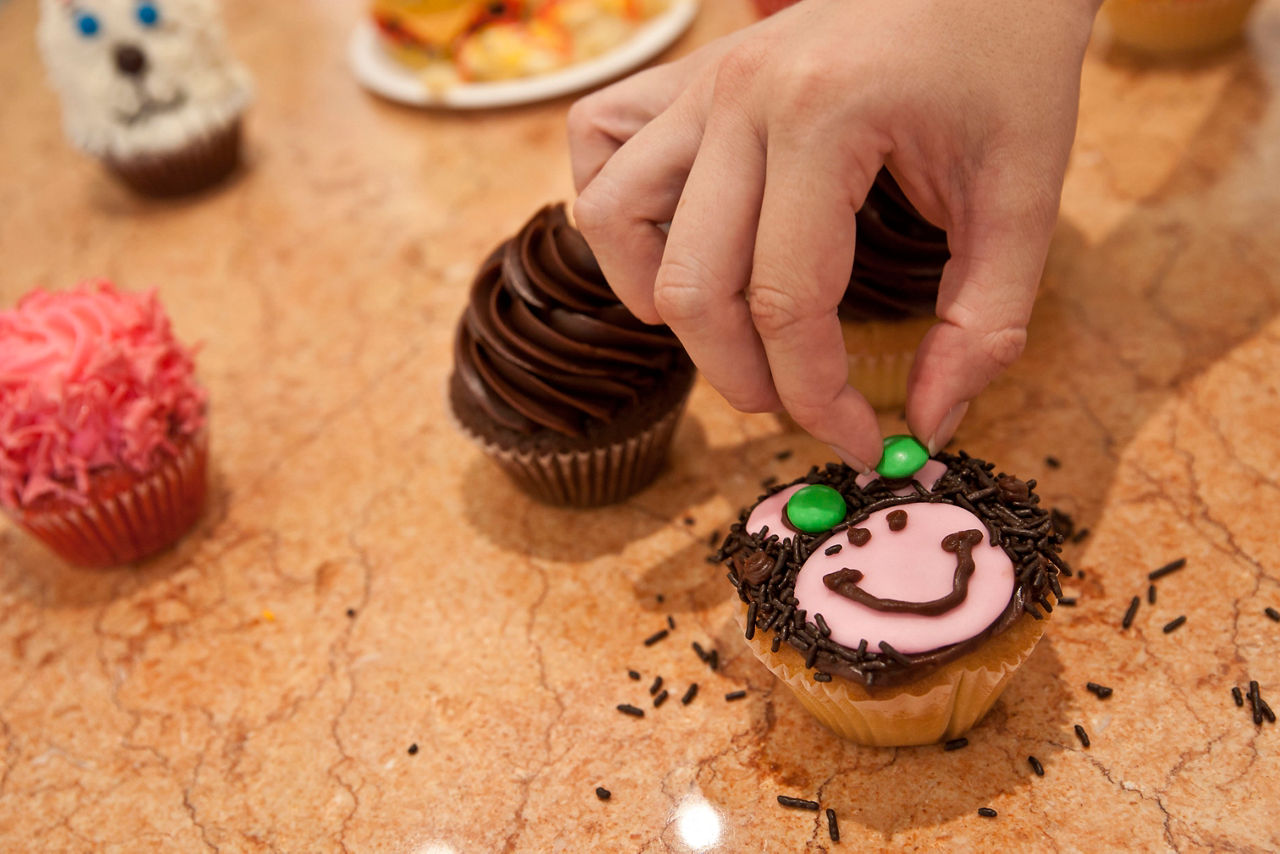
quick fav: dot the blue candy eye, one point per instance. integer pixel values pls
(87, 24)
(148, 14)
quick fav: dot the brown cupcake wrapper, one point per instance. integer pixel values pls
(145, 517)
(942, 705)
(200, 163)
(591, 478)
(1176, 26)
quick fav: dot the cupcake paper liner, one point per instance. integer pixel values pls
(199, 164)
(590, 478)
(881, 353)
(940, 706)
(1176, 26)
(140, 516)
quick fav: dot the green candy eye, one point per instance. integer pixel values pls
(903, 457)
(816, 508)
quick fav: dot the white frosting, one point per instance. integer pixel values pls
(187, 60)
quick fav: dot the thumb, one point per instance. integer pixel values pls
(998, 245)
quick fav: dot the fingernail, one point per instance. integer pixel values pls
(851, 460)
(946, 427)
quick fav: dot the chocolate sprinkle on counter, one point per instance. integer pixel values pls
(656, 686)
(1082, 735)
(713, 540)
(1130, 613)
(1052, 462)
(661, 598)
(660, 699)
(833, 828)
(1019, 526)
(603, 794)
(1102, 691)
(413, 749)
(628, 709)
(1068, 601)
(797, 803)
(1174, 624)
(734, 695)
(897, 520)
(1236, 695)
(656, 636)
(690, 694)
(713, 659)
(769, 482)
(1272, 613)
(351, 612)
(1151, 594)
(634, 674)
(671, 622)
(784, 454)
(1035, 766)
(1171, 566)
(690, 521)
(1266, 711)
(701, 653)
(956, 743)
(1079, 535)
(987, 812)
(1254, 697)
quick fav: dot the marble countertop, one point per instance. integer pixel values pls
(364, 582)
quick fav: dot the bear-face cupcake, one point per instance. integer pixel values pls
(102, 424)
(896, 610)
(556, 380)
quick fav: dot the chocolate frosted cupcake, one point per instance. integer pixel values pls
(556, 380)
(889, 305)
(896, 610)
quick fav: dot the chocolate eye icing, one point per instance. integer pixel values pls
(1014, 523)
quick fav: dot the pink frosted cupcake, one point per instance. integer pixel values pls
(102, 424)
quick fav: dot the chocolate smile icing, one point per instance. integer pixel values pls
(898, 260)
(976, 558)
(546, 344)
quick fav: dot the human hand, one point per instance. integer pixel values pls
(759, 148)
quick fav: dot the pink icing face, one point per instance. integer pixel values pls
(90, 377)
(908, 565)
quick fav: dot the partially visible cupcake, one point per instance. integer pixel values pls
(148, 87)
(102, 424)
(556, 380)
(897, 266)
(896, 609)
(1170, 27)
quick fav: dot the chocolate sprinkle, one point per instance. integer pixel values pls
(1151, 594)
(1102, 691)
(956, 743)
(831, 550)
(1035, 766)
(987, 812)
(660, 699)
(1174, 624)
(713, 539)
(1052, 462)
(1272, 613)
(784, 454)
(1254, 697)
(833, 829)
(656, 636)
(819, 676)
(859, 536)
(751, 620)
(656, 686)
(713, 659)
(413, 749)
(734, 695)
(628, 709)
(603, 794)
(1082, 735)
(1079, 535)
(1236, 695)
(701, 653)
(797, 803)
(897, 520)
(1068, 601)
(351, 612)
(671, 621)
(634, 674)
(1130, 613)
(690, 694)
(1171, 566)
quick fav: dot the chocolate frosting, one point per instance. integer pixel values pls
(545, 343)
(898, 261)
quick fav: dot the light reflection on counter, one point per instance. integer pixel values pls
(435, 848)
(698, 824)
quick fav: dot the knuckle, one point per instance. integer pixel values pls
(1004, 346)
(583, 118)
(773, 310)
(738, 67)
(682, 293)
(594, 210)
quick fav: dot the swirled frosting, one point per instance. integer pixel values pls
(898, 261)
(545, 343)
(89, 378)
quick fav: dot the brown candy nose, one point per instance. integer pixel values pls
(130, 59)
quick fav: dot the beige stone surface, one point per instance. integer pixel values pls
(220, 697)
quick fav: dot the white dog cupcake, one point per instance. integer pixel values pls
(149, 87)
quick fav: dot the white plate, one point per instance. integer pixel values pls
(379, 73)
